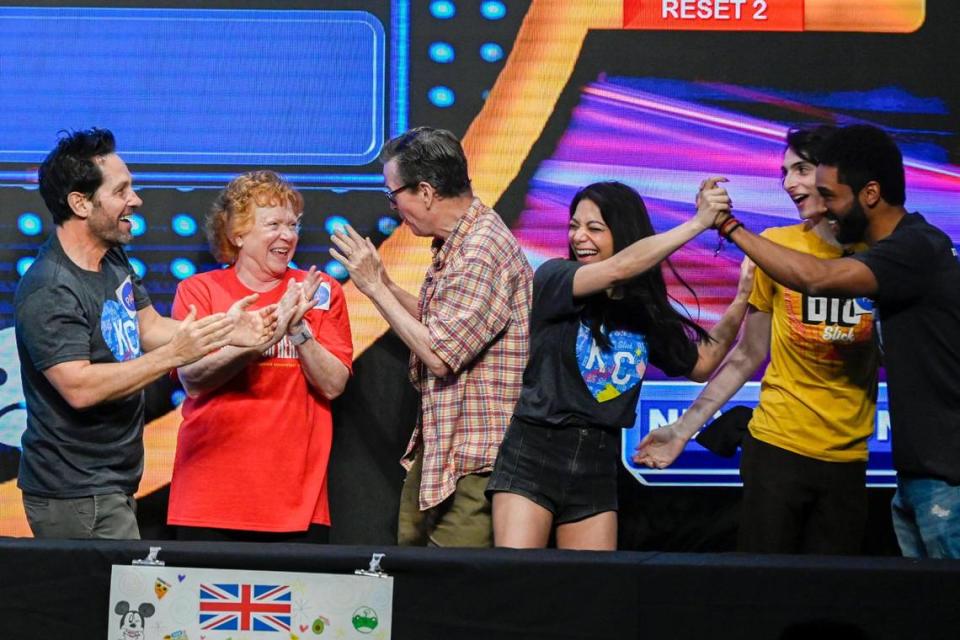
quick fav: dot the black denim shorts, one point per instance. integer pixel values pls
(570, 471)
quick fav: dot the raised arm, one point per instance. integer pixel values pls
(844, 277)
(710, 353)
(324, 371)
(662, 446)
(648, 252)
(396, 306)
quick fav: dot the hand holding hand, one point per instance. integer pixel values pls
(713, 203)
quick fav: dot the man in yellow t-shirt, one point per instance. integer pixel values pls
(804, 462)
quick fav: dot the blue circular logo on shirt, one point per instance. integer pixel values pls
(126, 294)
(120, 331)
(322, 295)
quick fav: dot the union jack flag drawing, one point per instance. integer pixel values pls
(245, 607)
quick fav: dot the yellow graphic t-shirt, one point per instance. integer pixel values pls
(818, 396)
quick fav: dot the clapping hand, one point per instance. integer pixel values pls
(251, 328)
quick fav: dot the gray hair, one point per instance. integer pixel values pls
(429, 155)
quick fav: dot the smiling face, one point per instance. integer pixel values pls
(799, 181)
(113, 202)
(589, 236)
(844, 212)
(267, 248)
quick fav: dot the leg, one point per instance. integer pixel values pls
(905, 526)
(111, 516)
(60, 518)
(774, 499)
(411, 522)
(519, 522)
(595, 533)
(116, 517)
(838, 517)
(936, 508)
(463, 520)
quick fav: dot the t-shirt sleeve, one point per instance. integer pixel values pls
(553, 290)
(762, 292)
(902, 264)
(141, 298)
(331, 327)
(471, 305)
(191, 291)
(53, 328)
(675, 365)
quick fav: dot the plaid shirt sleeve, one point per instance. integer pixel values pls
(471, 308)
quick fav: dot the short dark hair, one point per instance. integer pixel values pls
(807, 143)
(71, 167)
(429, 155)
(863, 153)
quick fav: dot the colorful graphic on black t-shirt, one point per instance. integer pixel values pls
(609, 373)
(118, 324)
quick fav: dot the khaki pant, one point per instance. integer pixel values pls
(462, 520)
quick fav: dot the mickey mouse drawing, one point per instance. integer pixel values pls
(131, 622)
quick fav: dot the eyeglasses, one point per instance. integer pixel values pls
(392, 195)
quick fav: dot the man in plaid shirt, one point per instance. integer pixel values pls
(467, 333)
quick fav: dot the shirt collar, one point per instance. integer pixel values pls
(442, 248)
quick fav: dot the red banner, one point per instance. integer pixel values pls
(714, 15)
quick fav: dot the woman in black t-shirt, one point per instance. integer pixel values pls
(598, 318)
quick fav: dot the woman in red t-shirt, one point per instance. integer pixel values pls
(252, 452)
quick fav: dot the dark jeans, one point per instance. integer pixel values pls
(796, 504)
(111, 516)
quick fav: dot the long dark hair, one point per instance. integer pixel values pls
(645, 304)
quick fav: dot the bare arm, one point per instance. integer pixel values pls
(362, 261)
(661, 447)
(648, 252)
(323, 370)
(404, 297)
(802, 272)
(414, 333)
(155, 330)
(711, 353)
(84, 384)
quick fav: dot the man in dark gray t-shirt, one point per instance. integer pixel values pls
(89, 341)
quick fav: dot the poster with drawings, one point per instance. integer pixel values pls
(178, 603)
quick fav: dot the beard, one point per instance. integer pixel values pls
(852, 227)
(108, 229)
